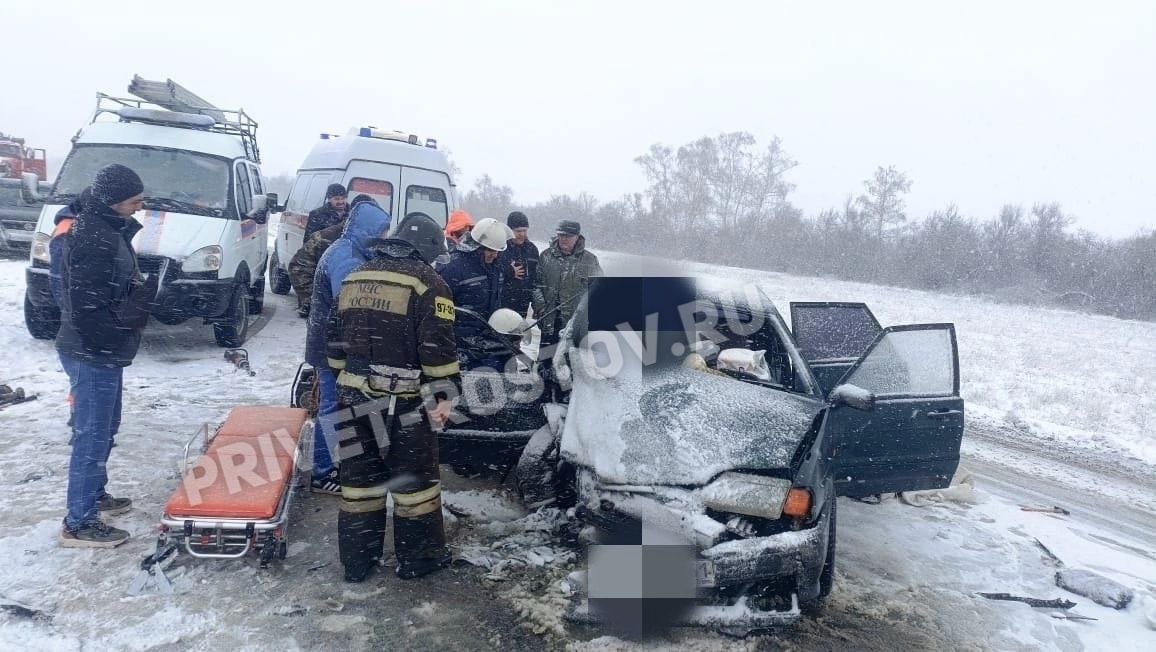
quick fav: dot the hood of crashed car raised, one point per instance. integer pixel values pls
(676, 426)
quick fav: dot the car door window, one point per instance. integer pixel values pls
(431, 201)
(244, 190)
(295, 202)
(916, 363)
(255, 179)
(316, 195)
(833, 331)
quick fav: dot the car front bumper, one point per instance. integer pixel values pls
(178, 297)
(792, 560)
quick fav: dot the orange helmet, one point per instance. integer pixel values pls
(459, 221)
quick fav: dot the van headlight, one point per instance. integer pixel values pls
(747, 494)
(40, 249)
(205, 259)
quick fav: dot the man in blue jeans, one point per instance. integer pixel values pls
(103, 303)
(366, 223)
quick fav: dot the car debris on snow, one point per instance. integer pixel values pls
(1094, 587)
(1054, 603)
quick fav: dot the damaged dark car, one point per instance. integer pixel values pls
(737, 445)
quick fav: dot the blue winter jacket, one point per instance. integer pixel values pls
(476, 286)
(366, 223)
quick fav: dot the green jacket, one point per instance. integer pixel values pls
(562, 279)
(303, 265)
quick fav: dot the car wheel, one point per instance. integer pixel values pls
(42, 323)
(234, 326)
(827, 575)
(278, 277)
(257, 298)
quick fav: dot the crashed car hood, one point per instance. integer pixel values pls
(678, 426)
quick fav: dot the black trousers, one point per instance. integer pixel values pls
(408, 470)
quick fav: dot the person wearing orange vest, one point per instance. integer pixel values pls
(65, 218)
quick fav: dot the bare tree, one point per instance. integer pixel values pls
(883, 202)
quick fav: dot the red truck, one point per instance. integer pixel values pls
(16, 159)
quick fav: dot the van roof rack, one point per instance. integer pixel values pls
(175, 98)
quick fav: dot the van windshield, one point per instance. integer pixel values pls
(174, 180)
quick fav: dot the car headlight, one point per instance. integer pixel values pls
(747, 494)
(205, 259)
(40, 247)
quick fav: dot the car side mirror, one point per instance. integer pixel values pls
(274, 202)
(260, 211)
(852, 396)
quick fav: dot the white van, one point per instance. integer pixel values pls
(402, 173)
(205, 208)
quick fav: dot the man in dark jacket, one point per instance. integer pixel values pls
(367, 223)
(331, 212)
(63, 221)
(103, 311)
(303, 265)
(476, 277)
(520, 262)
(391, 342)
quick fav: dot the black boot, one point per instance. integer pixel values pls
(420, 544)
(414, 568)
(360, 542)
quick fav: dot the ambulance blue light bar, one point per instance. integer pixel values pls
(431, 143)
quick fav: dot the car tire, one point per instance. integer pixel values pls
(42, 323)
(278, 278)
(827, 575)
(232, 329)
(257, 297)
(534, 475)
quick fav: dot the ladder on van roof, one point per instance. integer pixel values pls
(174, 97)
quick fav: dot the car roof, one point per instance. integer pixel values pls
(135, 133)
(335, 153)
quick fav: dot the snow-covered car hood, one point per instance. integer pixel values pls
(677, 426)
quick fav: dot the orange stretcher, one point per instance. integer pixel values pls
(235, 496)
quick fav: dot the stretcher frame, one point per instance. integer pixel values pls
(219, 537)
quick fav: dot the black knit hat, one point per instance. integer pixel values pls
(335, 190)
(116, 183)
(518, 220)
(569, 227)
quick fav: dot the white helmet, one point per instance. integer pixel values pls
(491, 234)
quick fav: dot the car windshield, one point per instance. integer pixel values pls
(10, 150)
(174, 180)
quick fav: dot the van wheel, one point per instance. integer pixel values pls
(278, 277)
(234, 326)
(42, 323)
(257, 298)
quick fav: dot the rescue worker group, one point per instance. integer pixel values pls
(384, 301)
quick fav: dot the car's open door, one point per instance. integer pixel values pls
(832, 336)
(909, 438)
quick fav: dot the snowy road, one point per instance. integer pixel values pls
(906, 575)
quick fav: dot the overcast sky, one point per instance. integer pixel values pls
(979, 103)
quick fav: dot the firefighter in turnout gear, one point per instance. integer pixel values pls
(391, 345)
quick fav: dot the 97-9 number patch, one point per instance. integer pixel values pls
(444, 308)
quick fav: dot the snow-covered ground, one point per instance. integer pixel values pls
(1058, 415)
